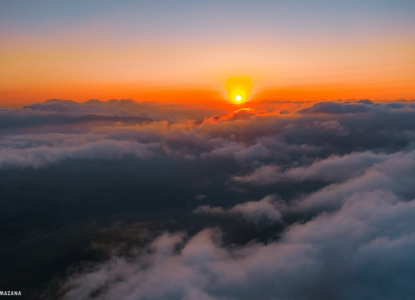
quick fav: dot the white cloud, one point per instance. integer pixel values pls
(43, 155)
(332, 169)
(368, 240)
(267, 209)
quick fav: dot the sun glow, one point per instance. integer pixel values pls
(239, 89)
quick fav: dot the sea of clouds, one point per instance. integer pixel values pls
(350, 236)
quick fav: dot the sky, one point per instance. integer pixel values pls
(184, 51)
(207, 150)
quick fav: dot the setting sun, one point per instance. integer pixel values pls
(239, 89)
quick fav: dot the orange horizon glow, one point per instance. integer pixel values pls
(381, 69)
(209, 95)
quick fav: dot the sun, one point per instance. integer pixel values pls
(239, 89)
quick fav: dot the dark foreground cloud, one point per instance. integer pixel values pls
(362, 251)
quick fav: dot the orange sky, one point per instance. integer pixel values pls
(93, 59)
(29, 75)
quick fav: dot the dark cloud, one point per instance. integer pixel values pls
(244, 136)
(267, 209)
(366, 101)
(126, 108)
(361, 106)
(363, 250)
(336, 108)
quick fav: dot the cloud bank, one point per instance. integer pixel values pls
(51, 129)
(336, 183)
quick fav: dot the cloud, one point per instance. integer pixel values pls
(262, 176)
(396, 174)
(329, 125)
(247, 135)
(359, 251)
(332, 125)
(126, 108)
(362, 106)
(336, 108)
(349, 174)
(95, 150)
(332, 169)
(239, 151)
(339, 177)
(267, 209)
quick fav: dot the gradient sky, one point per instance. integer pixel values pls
(183, 51)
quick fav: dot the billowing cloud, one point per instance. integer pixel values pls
(253, 136)
(356, 252)
(347, 175)
(267, 209)
(332, 169)
(95, 150)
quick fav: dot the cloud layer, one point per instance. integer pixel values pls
(46, 133)
(325, 194)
